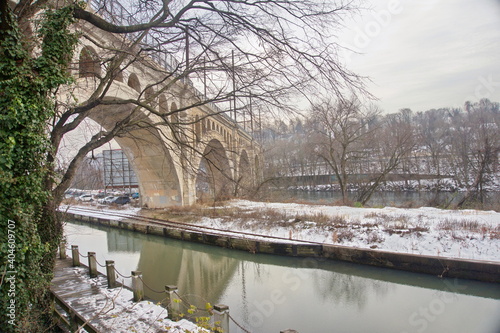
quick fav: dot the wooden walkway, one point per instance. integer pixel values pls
(82, 302)
(67, 288)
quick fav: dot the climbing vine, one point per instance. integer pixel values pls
(29, 232)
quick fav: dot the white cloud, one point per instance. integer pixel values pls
(429, 54)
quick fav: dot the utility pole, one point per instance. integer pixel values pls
(251, 114)
(187, 48)
(234, 88)
(205, 76)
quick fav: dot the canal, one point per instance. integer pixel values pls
(268, 293)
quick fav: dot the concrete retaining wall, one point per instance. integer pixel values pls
(443, 267)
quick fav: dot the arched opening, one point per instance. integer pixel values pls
(214, 181)
(149, 96)
(244, 180)
(118, 75)
(152, 162)
(163, 104)
(204, 126)
(88, 65)
(133, 82)
(174, 117)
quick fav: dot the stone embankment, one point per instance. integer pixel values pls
(485, 271)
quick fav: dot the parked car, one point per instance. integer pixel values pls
(121, 200)
(86, 198)
(106, 200)
(100, 195)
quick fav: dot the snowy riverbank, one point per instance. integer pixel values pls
(466, 234)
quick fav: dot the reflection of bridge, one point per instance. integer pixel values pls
(202, 275)
(190, 149)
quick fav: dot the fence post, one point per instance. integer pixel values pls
(75, 255)
(73, 325)
(137, 286)
(110, 273)
(173, 302)
(92, 265)
(62, 249)
(221, 317)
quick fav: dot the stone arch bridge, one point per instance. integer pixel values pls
(199, 153)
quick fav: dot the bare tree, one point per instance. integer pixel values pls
(390, 144)
(268, 51)
(341, 137)
(224, 52)
(475, 147)
(432, 135)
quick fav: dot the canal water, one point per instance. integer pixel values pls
(268, 293)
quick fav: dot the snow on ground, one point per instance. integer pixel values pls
(114, 310)
(470, 234)
(126, 209)
(466, 234)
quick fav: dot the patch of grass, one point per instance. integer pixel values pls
(374, 237)
(495, 233)
(375, 215)
(460, 224)
(369, 225)
(339, 236)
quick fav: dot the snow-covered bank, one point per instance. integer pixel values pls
(466, 234)
(99, 209)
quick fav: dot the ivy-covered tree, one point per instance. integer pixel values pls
(29, 230)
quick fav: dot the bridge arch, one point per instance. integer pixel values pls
(133, 82)
(167, 173)
(118, 76)
(163, 104)
(149, 94)
(153, 162)
(244, 178)
(214, 178)
(174, 117)
(88, 63)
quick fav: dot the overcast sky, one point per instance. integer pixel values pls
(423, 54)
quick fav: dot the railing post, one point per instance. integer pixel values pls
(73, 325)
(62, 249)
(92, 265)
(110, 273)
(221, 317)
(173, 302)
(137, 286)
(75, 255)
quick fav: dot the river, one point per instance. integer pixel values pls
(268, 293)
(385, 198)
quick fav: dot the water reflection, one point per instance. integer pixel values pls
(121, 242)
(271, 293)
(194, 272)
(349, 290)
